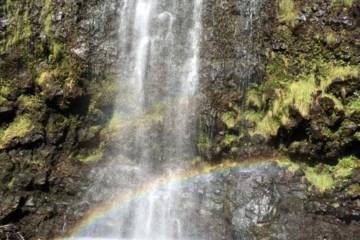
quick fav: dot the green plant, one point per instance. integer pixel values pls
(229, 118)
(357, 136)
(341, 3)
(3, 100)
(229, 139)
(5, 91)
(252, 116)
(44, 78)
(288, 164)
(20, 29)
(287, 11)
(93, 156)
(19, 128)
(253, 98)
(345, 166)
(46, 17)
(30, 103)
(321, 179)
(330, 38)
(57, 52)
(354, 104)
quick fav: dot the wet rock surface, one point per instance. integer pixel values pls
(53, 59)
(259, 202)
(232, 59)
(295, 103)
(271, 203)
(56, 91)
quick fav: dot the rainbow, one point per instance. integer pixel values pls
(100, 212)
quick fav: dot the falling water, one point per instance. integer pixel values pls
(158, 76)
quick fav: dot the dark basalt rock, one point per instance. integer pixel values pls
(10, 232)
(7, 112)
(344, 88)
(51, 75)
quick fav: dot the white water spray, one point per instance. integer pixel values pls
(158, 78)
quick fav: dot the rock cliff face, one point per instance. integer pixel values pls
(233, 59)
(277, 76)
(302, 97)
(55, 95)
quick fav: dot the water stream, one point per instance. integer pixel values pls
(158, 77)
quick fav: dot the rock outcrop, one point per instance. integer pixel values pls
(277, 76)
(305, 101)
(56, 80)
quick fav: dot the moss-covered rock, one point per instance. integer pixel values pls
(324, 177)
(21, 131)
(307, 102)
(47, 79)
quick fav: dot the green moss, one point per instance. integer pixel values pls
(38, 162)
(330, 38)
(11, 184)
(203, 142)
(93, 130)
(253, 99)
(19, 29)
(321, 179)
(57, 122)
(330, 71)
(44, 78)
(31, 103)
(354, 104)
(3, 100)
(268, 126)
(57, 52)
(287, 11)
(326, 132)
(357, 136)
(229, 139)
(252, 116)
(345, 166)
(338, 104)
(353, 190)
(19, 128)
(103, 94)
(288, 164)
(93, 156)
(341, 3)
(48, 25)
(327, 177)
(5, 91)
(116, 122)
(299, 94)
(229, 118)
(305, 69)
(63, 67)
(288, 90)
(59, 68)
(46, 17)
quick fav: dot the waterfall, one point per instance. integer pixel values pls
(158, 76)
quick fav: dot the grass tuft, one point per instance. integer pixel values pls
(287, 11)
(321, 180)
(287, 163)
(19, 128)
(229, 118)
(345, 166)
